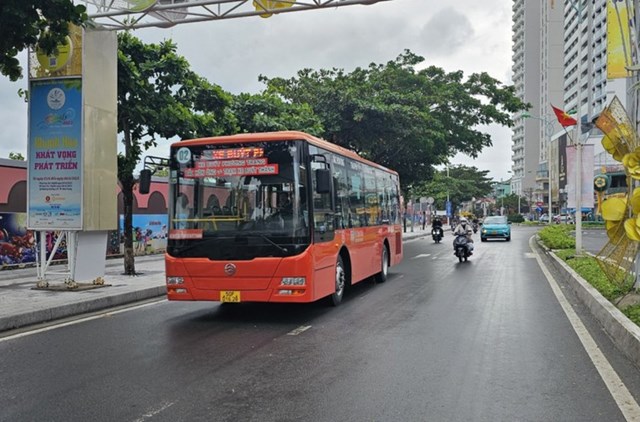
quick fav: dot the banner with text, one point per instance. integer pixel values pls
(55, 155)
(586, 177)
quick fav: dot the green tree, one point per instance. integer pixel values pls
(25, 23)
(461, 185)
(160, 97)
(267, 112)
(16, 156)
(510, 203)
(406, 119)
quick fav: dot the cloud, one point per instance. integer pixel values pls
(473, 37)
(446, 33)
(13, 118)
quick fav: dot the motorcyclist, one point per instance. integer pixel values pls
(464, 228)
(436, 224)
(474, 224)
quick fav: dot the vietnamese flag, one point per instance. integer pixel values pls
(564, 119)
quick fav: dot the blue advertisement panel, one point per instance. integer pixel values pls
(55, 155)
(149, 232)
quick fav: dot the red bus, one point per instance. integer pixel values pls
(277, 217)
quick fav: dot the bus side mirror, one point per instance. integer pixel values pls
(145, 181)
(323, 181)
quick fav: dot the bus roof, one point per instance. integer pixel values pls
(280, 136)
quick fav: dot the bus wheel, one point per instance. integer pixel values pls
(381, 277)
(341, 277)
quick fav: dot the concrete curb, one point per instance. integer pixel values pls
(78, 308)
(624, 333)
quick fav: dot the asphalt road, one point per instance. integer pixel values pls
(484, 340)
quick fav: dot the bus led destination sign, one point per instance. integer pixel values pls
(232, 163)
(267, 169)
(234, 153)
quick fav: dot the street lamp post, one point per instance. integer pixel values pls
(581, 4)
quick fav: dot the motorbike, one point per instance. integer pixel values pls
(461, 247)
(436, 234)
(475, 227)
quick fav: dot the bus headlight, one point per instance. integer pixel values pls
(293, 281)
(175, 280)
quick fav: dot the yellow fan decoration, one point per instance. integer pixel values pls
(621, 214)
(268, 5)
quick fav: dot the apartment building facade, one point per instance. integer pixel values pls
(572, 55)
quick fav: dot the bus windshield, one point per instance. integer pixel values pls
(238, 201)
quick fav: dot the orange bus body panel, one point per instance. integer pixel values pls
(259, 280)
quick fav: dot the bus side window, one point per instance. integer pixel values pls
(323, 214)
(356, 199)
(341, 189)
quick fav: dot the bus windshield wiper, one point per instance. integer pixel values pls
(282, 248)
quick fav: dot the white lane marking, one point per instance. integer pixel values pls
(154, 412)
(301, 329)
(78, 321)
(422, 255)
(623, 398)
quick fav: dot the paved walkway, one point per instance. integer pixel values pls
(22, 305)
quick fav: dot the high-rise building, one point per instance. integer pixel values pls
(569, 41)
(526, 79)
(551, 93)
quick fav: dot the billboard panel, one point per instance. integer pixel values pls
(619, 20)
(54, 174)
(586, 174)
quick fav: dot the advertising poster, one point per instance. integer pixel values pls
(149, 232)
(17, 244)
(586, 175)
(619, 20)
(55, 155)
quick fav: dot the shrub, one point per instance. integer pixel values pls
(633, 313)
(515, 218)
(557, 236)
(588, 268)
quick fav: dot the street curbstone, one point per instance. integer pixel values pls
(622, 331)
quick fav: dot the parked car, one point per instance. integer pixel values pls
(495, 227)
(544, 218)
(563, 218)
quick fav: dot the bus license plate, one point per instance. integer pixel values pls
(230, 296)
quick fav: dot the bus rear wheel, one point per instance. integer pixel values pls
(381, 277)
(340, 281)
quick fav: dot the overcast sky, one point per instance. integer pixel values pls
(466, 35)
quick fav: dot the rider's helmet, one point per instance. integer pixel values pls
(463, 220)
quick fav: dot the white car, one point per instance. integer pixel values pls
(563, 218)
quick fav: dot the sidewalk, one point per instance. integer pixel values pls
(21, 305)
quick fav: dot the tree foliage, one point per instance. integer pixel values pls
(462, 184)
(25, 23)
(160, 97)
(16, 156)
(267, 112)
(510, 203)
(404, 118)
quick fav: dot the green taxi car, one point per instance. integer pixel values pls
(495, 227)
